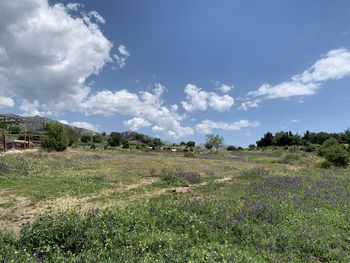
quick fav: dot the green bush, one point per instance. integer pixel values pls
(56, 138)
(114, 139)
(309, 147)
(86, 138)
(334, 152)
(231, 148)
(325, 164)
(97, 138)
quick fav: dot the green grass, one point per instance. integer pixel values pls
(243, 209)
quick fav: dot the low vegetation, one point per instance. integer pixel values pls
(105, 206)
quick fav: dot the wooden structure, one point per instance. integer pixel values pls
(16, 141)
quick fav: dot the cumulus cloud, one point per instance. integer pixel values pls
(136, 123)
(6, 102)
(249, 104)
(47, 53)
(122, 57)
(81, 124)
(146, 105)
(225, 88)
(207, 126)
(334, 65)
(199, 100)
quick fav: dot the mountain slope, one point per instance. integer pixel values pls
(37, 123)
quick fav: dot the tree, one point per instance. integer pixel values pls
(267, 140)
(15, 129)
(190, 144)
(214, 141)
(157, 142)
(73, 135)
(231, 148)
(56, 138)
(97, 138)
(85, 138)
(115, 138)
(182, 144)
(251, 146)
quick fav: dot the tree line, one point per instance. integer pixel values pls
(287, 138)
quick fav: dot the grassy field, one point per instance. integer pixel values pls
(109, 206)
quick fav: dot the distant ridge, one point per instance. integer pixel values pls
(38, 123)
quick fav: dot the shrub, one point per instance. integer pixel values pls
(114, 139)
(325, 164)
(85, 138)
(97, 138)
(190, 144)
(231, 148)
(334, 152)
(309, 147)
(291, 158)
(251, 146)
(56, 138)
(179, 177)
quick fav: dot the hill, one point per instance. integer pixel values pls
(38, 123)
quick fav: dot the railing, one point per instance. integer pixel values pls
(19, 141)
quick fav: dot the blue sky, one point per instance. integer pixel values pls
(125, 65)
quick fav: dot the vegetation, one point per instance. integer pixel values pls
(86, 138)
(273, 204)
(250, 209)
(56, 138)
(214, 141)
(334, 152)
(309, 138)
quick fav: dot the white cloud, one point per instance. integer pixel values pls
(136, 123)
(220, 103)
(196, 99)
(46, 53)
(295, 120)
(122, 57)
(225, 88)
(81, 124)
(207, 126)
(249, 104)
(146, 105)
(199, 100)
(6, 102)
(74, 6)
(334, 65)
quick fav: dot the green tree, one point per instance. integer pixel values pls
(15, 129)
(267, 140)
(73, 135)
(190, 144)
(86, 138)
(231, 148)
(97, 138)
(251, 146)
(214, 141)
(56, 138)
(115, 139)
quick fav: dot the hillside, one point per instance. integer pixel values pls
(37, 123)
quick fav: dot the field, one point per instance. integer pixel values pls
(112, 206)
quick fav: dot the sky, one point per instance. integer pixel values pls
(179, 69)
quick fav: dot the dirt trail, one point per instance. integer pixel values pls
(25, 211)
(8, 152)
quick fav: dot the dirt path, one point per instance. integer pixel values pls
(25, 211)
(19, 151)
